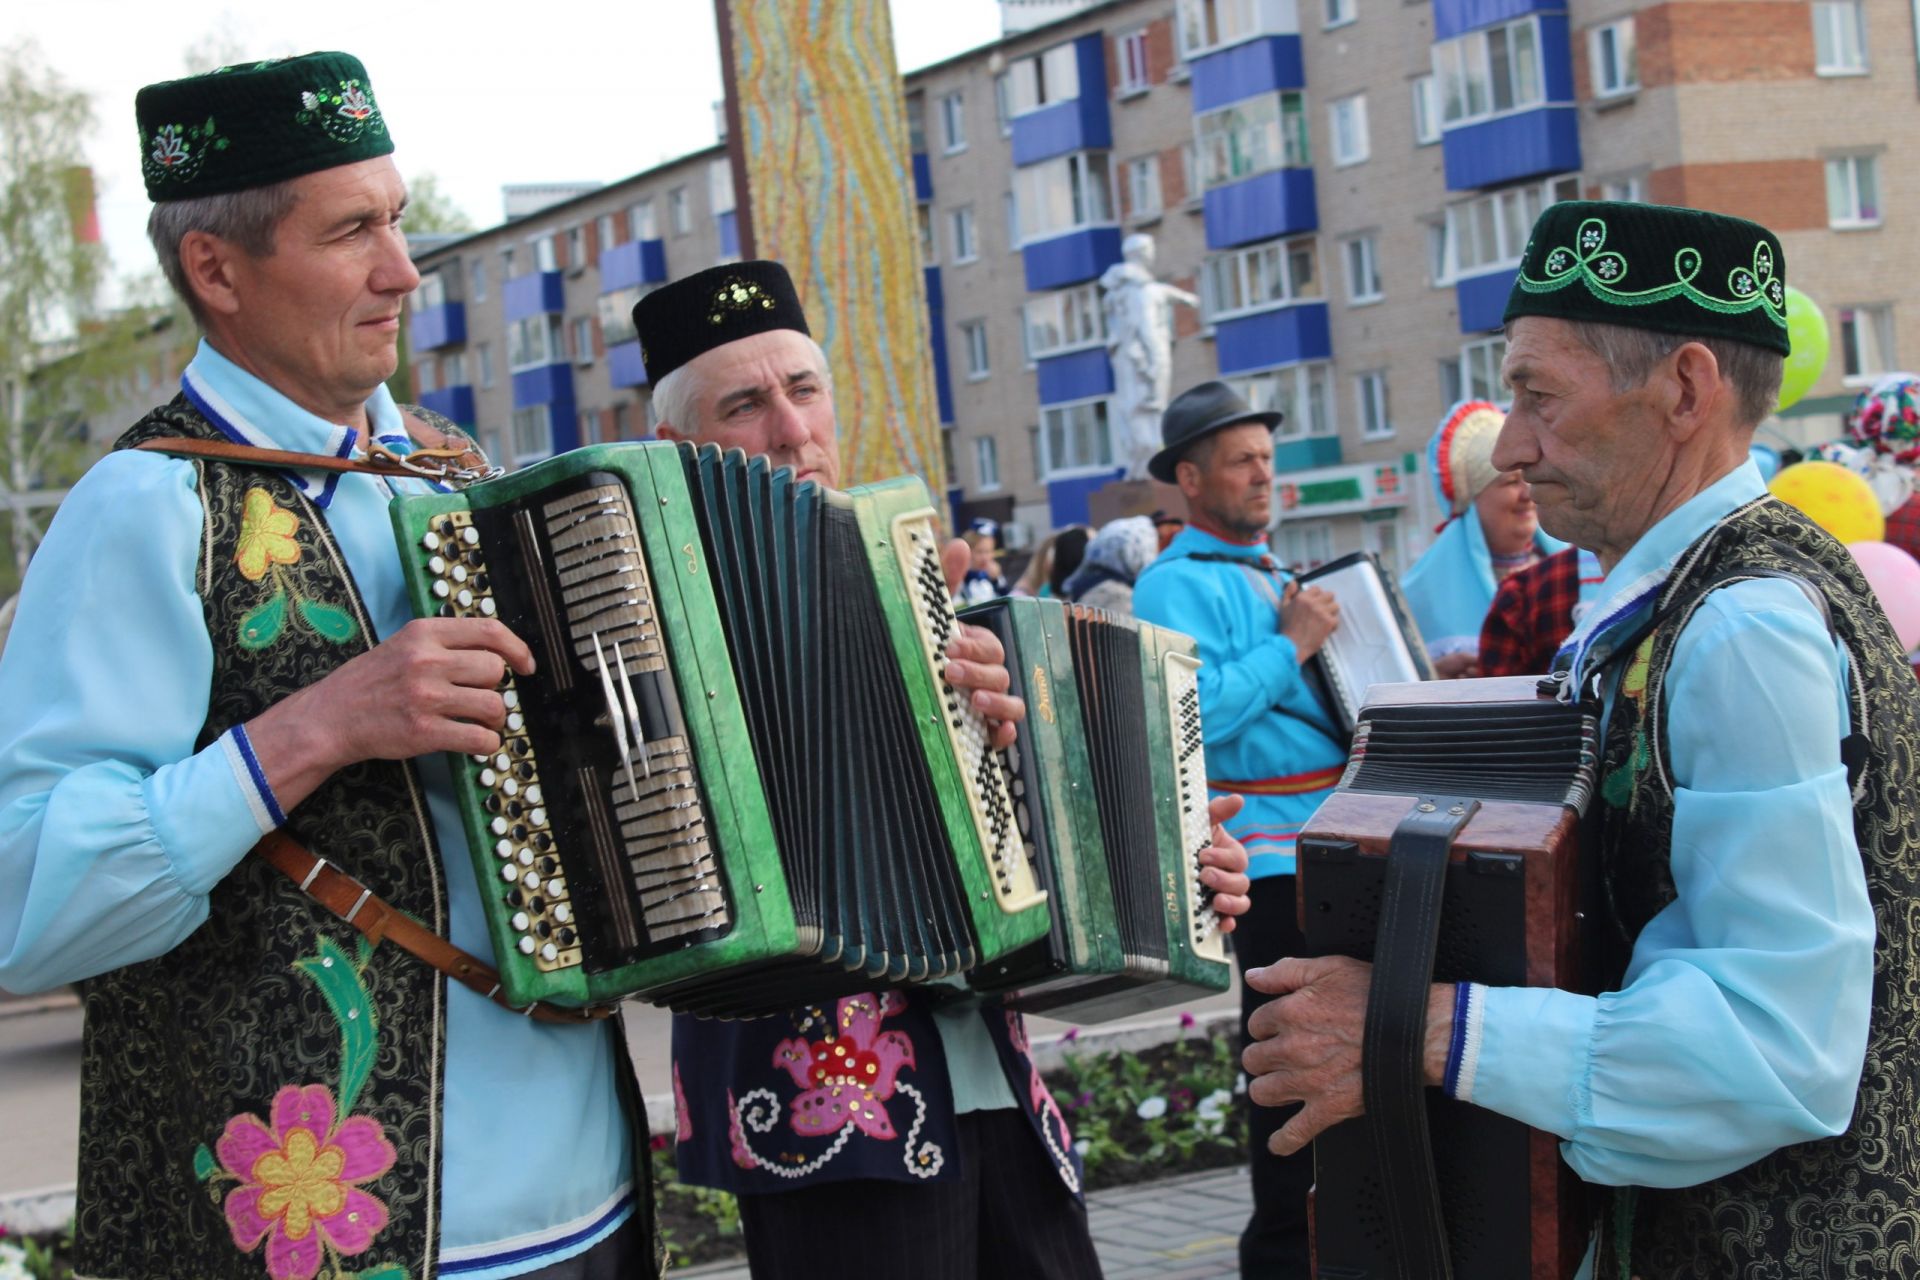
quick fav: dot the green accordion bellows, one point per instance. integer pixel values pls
(1110, 788)
(736, 781)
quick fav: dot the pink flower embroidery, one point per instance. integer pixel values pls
(847, 1077)
(1038, 1095)
(298, 1181)
(682, 1118)
(737, 1137)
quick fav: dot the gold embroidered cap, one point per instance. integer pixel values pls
(690, 317)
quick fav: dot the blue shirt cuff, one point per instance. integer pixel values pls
(254, 787)
(1526, 1052)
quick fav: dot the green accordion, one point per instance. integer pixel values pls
(1109, 782)
(736, 781)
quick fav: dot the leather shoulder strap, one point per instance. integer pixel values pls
(460, 463)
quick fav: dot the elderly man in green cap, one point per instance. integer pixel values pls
(214, 649)
(1743, 1089)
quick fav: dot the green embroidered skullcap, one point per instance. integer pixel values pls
(257, 124)
(1658, 267)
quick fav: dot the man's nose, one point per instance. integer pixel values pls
(396, 272)
(789, 424)
(1513, 448)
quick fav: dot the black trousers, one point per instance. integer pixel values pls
(1274, 1244)
(1007, 1215)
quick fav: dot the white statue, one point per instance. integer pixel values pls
(1139, 311)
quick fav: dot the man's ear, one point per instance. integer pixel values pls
(1694, 390)
(1187, 476)
(207, 265)
(667, 431)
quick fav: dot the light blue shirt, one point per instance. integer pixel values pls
(1741, 1023)
(1266, 734)
(114, 830)
(1450, 587)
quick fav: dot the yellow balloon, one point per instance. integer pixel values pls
(1834, 498)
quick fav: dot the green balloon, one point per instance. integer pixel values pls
(1807, 333)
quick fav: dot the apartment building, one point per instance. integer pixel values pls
(1345, 184)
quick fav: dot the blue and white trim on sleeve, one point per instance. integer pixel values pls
(253, 780)
(539, 1249)
(1463, 1050)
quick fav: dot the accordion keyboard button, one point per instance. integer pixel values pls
(500, 826)
(520, 922)
(487, 606)
(488, 777)
(509, 872)
(511, 698)
(526, 945)
(563, 913)
(441, 589)
(550, 952)
(431, 541)
(535, 797)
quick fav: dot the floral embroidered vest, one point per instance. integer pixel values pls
(1847, 1206)
(266, 1097)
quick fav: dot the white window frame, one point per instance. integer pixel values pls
(531, 437)
(1259, 277)
(1372, 409)
(1347, 130)
(551, 348)
(1426, 110)
(430, 292)
(1360, 256)
(477, 280)
(1480, 377)
(1204, 26)
(587, 423)
(1613, 58)
(616, 313)
(1630, 188)
(1465, 63)
(426, 375)
(953, 122)
(1297, 390)
(965, 235)
(1839, 38)
(986, 463)
(1507, 216)
(1056, 468)
(720, 197)
(679, 211)
(483, 356)
(576, 249)
(1337, 13)
(973, 337)
(1860, 364)
(1089, 185)
(1142, 175)
(1044, 79)
(642, 221)
(453, 369)
(1846, 208)
(546, 252)
(606, 231)
(1252, 136)
(1130, 62)
(1307, 544)
(1075, 319)
(582, 335)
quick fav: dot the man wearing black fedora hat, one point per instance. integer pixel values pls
(1268, 739)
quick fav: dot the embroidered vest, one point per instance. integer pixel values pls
(266, 1097)
(1848, 1206)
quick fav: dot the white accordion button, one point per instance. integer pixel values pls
(431, 542)
(511, 697)
(510, 786)
(526, 857)
(503, 849)
(520, 922)
(515, 722)
(509, 872)
(531, 880)
(526, 945)
(437, 566)
(499, 826)
(459, 573)
(556, 887)
(534, 797)
(488, 777)
(464, 599)
(549, 952)
(503, 762)
(487, 605)
(470, 536)
(441, 589)
(539, 816)
(563, 913)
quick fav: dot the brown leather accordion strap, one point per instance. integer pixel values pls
(461, 463)
(353, 902)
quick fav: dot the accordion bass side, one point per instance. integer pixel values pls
(1450, 852)
(1109, 783)
(736, 781)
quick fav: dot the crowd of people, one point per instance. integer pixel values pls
(300, 1067)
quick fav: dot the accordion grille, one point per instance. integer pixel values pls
(1540, 752)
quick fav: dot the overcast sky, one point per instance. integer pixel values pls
(477, 94)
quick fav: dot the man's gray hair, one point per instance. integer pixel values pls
(244, 218)
(1630, 354)
(674, 395)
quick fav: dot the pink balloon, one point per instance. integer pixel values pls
(1895, 578)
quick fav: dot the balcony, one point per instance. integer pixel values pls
(922, 178)
(1267, 65)
(727, 227)
(430, 328)
(1268, 339)
(546, 384)
(1073, 124)
(1073, 258)
(937, 340)
(1266, 206)
(1079, 376)
(1525, 144)
(1481, 300)
(455, 403)
(536, 293)
(625, 368)
(1457, 17)
(634, 263)
(1067, 499)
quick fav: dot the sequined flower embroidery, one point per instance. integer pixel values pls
(846, 1078)
(176, 152)
(300, 1182)
(738, 295)
(1617, 788)
(266, 535)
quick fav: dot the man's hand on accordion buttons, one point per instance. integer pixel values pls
(1307, 617)
(1224, 864)
(431, 686)
(977, 663)
(1308, 1042)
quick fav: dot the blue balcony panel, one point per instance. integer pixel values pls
(1268, 339)
(441, 326)
(1481, 300)
(1067, 499)
(1457, 17)
(1556, 57)
(956, 495)
(1246, 71)
(1076, 124)
(1526, 144)
(937, 341)
(1278, 203)
(1079, 376)
(624, 366)
(633, 263)
(536, 293)
(1074, 258)
(544, 384)
(728, 225)
(455, 402)
(922, 177)
(1304, 455)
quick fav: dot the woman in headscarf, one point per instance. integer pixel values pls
(1115, 557)
(1492, 532)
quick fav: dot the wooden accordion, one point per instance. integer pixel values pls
(1450, 852)
(1377, 641)
(1109, 785)
(736, 781)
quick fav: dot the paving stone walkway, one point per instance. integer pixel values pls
(1182, 1229)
